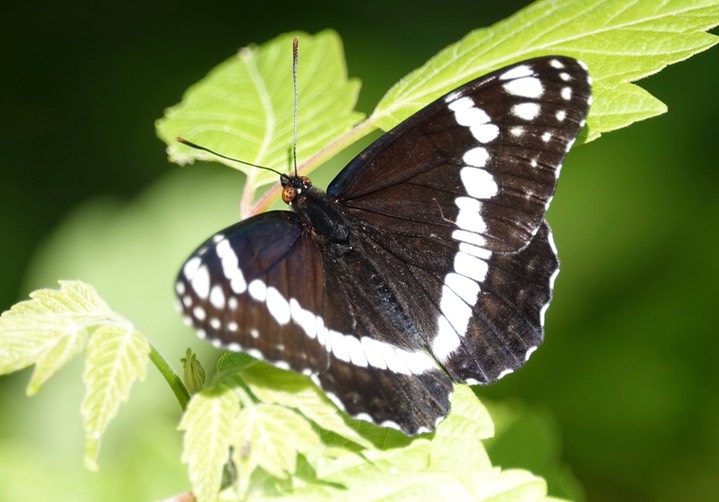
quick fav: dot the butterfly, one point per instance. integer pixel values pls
(428, 260)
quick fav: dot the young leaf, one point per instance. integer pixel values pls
(49, 329)
(55, 325)
(469, 419)
(208, 423)
(275, 386)
(117, 355)
(270, 437)
(244, 107)
(620, 40)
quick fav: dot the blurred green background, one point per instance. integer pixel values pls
(627, 376)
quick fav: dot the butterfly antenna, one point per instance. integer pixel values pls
(295, 52)
(208, 150)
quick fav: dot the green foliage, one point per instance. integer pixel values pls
(244, 107)
(57, 324)
(208, 424)
(281, 433)
(620, 41)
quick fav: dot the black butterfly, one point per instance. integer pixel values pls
(426, 262)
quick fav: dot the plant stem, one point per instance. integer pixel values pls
(173, 380)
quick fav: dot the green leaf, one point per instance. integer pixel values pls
(271, 437)
(244, 107)
(49, 329)
(451, 465)
(208, 424)
(468, 419)
(57, 324)
(620, 40)
(275, 386)
(117, 355)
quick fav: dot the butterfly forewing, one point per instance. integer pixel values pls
(428, 260)
(236, 290)
(479, 164)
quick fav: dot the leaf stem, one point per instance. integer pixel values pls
(172, 378)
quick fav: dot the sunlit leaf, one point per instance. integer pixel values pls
(621, 41)
(271, 437)
(49, 329)
(244, 107)
(57, 324)
(276, 386)
(117, 355)
(208, 423)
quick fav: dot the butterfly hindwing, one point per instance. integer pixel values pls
(265, 287)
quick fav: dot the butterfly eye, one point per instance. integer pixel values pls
(289, 194)
(306, 180)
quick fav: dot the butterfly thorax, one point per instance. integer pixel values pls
(318, 212)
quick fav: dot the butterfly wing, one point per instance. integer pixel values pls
(458, 194)
(264, 286)
(451, 261)
(480, 164)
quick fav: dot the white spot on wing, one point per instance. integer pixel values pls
(469, 237)
(257, 290)
(526, 111)
(191, 267)
(230, 266)
(470, 266)
(461, 104)
(464, 287)
(201, 282)
(471, 116)
(517, 72)
(277, 305)
(527, 87)
(476, 157)
(217, 297)
(479, 252)
(390, 424)
(469, 216)
(373, 353)
(446, 341)
(356, 352)
(479, 183)
(339, 348)
(455, 310)
(199, 313)
(504, 373)
(484, 133)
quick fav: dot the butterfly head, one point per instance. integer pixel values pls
(292, 186)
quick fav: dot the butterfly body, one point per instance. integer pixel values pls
(426, 262)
